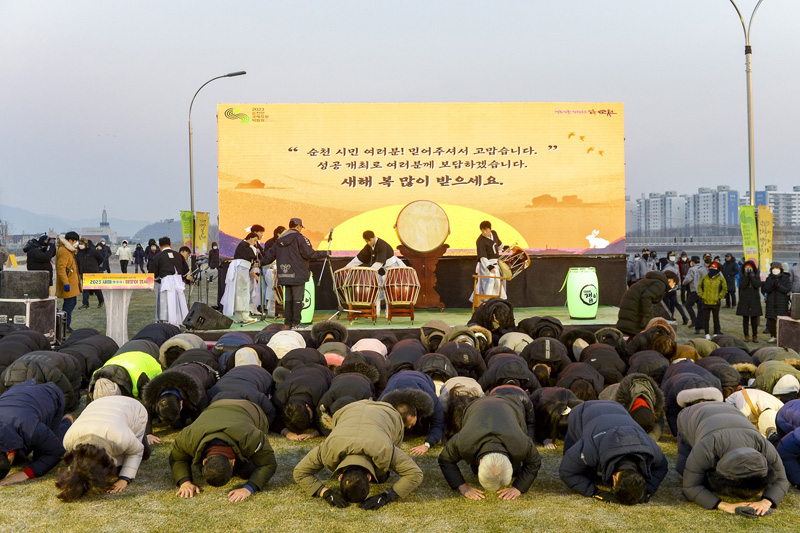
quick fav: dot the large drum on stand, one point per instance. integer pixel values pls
(423, 227)
(359, 289)
(401, 289)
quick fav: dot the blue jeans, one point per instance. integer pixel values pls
(68, 306)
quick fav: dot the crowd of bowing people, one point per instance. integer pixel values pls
(490, 394)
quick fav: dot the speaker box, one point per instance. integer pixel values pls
(19, 284)
(795, 311)
(38, 315)
(203, 317)
(788, 333)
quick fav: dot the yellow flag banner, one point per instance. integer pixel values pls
(201, 244)
(747, 219)
(186, 228)
(764, 239)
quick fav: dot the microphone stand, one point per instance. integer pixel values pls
(327, 256)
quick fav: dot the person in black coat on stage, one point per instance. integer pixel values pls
(89, 259)
(605, 444)
(169, 267)
(40, 254)
(32, 421)
(292, 251)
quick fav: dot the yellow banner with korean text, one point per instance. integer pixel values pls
(118, 281)
(550, 177)
(765, 220)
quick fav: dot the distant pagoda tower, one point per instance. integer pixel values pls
(104, 222)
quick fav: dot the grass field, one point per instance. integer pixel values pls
(150, 504)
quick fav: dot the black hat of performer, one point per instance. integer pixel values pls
(296, 222)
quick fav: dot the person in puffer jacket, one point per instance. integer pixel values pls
(125, 374)
(107, 441)
(413, 394)
(605, 444)
(32, 421)
(788, 425)
(641, 302)
(720, 451)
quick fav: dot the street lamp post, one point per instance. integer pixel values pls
(748, 53)
(191, 156)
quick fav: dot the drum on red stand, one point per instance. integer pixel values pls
(401, 288)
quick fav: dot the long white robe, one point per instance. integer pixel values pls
(171, 303)
(237, 296)
(494, 287)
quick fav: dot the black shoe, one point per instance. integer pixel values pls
(685, 321)
(101, 305)
(697, 331)
(84, 307)
(69, 330)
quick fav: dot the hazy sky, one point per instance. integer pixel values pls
(95, 95)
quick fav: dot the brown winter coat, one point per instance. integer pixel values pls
(66, 270)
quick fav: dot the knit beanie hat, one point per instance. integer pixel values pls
(787, 384)
(105, 387)
(370, 345)
(246, 356)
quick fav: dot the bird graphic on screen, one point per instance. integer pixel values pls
(571, 135)
(600, 153)
(590, 150)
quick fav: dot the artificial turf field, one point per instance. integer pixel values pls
(150, 503)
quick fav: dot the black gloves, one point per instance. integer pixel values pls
(334, 499)
(376, 502)
(605, 496)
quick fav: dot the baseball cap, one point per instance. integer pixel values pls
(296, 222)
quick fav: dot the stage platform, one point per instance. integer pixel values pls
(402, 326)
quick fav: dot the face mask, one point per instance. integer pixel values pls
(81, 247)
(712, 272)
(672, 258)
(652, 256)
(124, 245)
(776, 271)
(748, 270)
(684, 259)
(153, 248)
(213, 247)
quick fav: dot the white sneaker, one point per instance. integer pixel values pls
(772, 340)
(708, 337)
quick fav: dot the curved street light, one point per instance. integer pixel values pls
(191, 155)
(748, 53)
